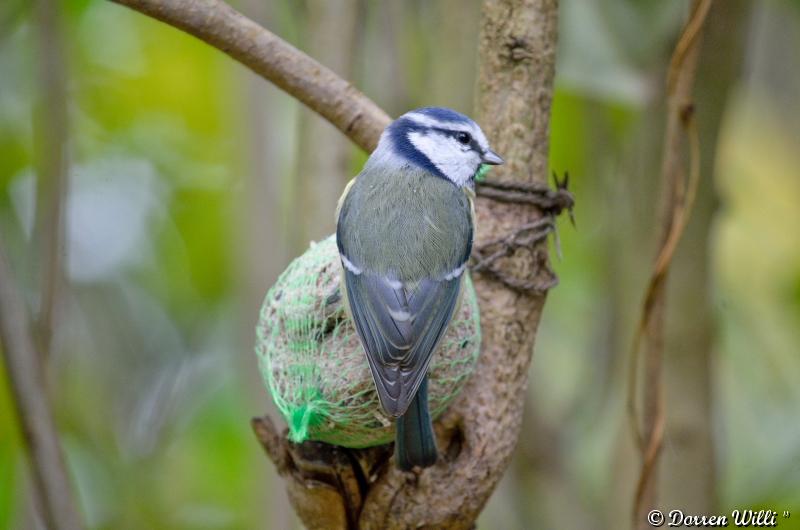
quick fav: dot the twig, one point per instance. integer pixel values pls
(676, 208)
(687, 40)
(26, 375)
(277, 61)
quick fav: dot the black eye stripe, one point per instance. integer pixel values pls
(473, 143)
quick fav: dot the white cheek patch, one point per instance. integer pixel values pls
(448, 155)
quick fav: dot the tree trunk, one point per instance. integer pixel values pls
(332, 487)
(453, 54)
(261, 232)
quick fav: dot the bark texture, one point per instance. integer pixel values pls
(315, 85)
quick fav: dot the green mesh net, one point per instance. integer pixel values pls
(314, 365)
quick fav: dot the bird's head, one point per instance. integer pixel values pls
(442, 141)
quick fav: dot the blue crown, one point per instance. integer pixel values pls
(443, 114)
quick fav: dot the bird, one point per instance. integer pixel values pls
(404, 232)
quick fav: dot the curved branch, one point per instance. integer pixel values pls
(277, 61)
(676, 207)
(26, 375)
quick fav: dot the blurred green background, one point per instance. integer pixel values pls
(192, 183)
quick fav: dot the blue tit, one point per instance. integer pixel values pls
(404, 230)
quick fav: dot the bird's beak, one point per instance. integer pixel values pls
(491, 158)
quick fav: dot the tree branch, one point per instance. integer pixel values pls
(277, 61)
(26, 375)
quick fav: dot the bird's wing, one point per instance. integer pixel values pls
(399, 325)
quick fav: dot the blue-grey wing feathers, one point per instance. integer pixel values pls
(399, 325)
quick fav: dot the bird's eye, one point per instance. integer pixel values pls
(463, 138)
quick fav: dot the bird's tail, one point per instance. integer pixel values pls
(415, 444)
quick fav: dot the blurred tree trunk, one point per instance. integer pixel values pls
(544, 490)
(264, 248)
(51, 160)
(633, 199)
(688, 474)
(453, 54)
(323, 158)
(262, 227)
(51, 503)
(380, 38)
